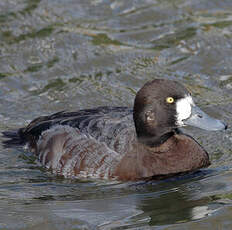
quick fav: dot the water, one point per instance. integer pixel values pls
(65, 55)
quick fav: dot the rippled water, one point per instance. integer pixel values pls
(65, 55)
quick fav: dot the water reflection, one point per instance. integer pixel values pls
(105, 206)
(167, 203)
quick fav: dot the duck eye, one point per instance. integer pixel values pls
(170, 100)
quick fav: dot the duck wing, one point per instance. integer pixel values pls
(101, 123)
(87, 143)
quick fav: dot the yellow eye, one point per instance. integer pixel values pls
(170, 100)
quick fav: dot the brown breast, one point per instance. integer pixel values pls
(179, 154)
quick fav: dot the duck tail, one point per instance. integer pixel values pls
(13, 138)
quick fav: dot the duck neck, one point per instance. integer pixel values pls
(155, 141)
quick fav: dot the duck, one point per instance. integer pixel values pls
(121, 143)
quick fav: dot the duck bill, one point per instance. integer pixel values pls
(201, 120)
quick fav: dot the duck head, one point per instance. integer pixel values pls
(161, 106)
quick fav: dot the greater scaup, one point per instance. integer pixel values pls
(105, 143)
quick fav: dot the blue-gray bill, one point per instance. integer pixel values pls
(201, 120)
